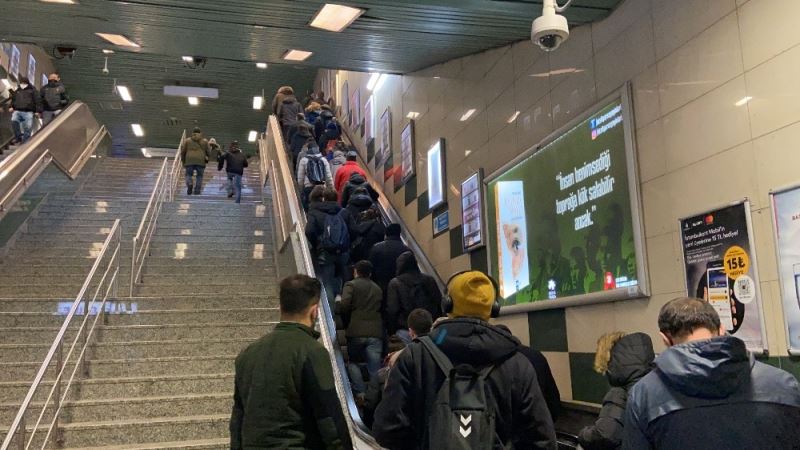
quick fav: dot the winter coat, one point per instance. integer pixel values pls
(300, 132)
(356, 182)
(409, 290)
(195, 151)
(283, 91)
(342, 176)
(331, 133)
(713, 392)
(235, 161)
(303, 164)
(336, 163)
(315, 222)
(311, 116)
(631, 359)
(54, 96)
(288, 111)
(322, 121)
(365, 235)
(383, 257)
(547, 384)
(361, 305)
(522, 418)
(26, 100)
(285, 396)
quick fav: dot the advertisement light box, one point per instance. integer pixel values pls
(436, 175)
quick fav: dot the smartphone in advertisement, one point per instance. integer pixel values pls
(796, 269)
(719, 295)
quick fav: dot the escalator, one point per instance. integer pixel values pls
(292, 255)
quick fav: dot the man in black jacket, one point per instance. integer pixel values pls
(235, 161)
(409, 290)
(25, 103)
(707, 391)
(383, 257)
(54, 98)
(522, 420)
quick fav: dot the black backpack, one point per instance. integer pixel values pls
(315, 170)
(335, 235)
(462, 416)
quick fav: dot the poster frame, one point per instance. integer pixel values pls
(753, 258)
(345, 101)
(369, 120)
(443, 177)
(772, 193)
(14, 61)
(481, 196)
(413, 170)
(355, 109)
(384, 152)
(642, 289)
(31, 65)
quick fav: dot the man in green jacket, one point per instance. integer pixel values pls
(195, 152)
(285, 395)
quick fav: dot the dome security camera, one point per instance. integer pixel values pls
(551, 29)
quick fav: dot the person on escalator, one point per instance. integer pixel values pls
(383, 257)
(195, 153)
(25, 104)
(313, 170)
(288, 110)
(355, 182)
(313, 110)
(299, 135)
(54, 98)
(369, 230)
(349, 167)
(325, 116)
(624, 359)
(284, 390)
(409, 290)
(234, 162)
(337, 162)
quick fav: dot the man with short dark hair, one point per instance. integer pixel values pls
(420, 322)
(383, 257)
(195, 152)
(707, 390)
(54, 98)
(285, 395)
(349, 167)
(25, 104)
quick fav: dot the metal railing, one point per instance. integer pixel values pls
(92, 299)
(147, 226)
(175, 171)
(292, 248)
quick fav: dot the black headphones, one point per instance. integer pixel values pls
(447, 302)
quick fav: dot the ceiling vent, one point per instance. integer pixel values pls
(171, 122)
(110, 106)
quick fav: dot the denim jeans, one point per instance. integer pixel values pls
(235, 186)
(22, 122)
(329, 269)
(369, 349)
(48, 116)
(198, 185)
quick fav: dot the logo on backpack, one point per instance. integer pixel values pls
(315, 170)
(335, 236)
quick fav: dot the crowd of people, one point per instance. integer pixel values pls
(28, 103)
(197, 151)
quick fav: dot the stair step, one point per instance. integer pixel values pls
(126, 432)
(217, 444)
(49, 305)
(175, 365)
(143, 317)
(147, 290)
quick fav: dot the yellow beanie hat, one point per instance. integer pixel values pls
(473, 295)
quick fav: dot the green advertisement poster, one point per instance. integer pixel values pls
(561, 221)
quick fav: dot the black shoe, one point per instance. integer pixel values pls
(189, 190)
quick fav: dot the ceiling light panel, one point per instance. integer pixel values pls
(261, 65)
(124, 93)
(118, 39)
(258, 102)
(468, 114)
(335, 18)
(252, 136)
(194, 101)
(297, 55)
(63, 2)
(187, 59)
(137, 129)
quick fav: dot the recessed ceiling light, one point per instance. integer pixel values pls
(144, 152)
(744, 101)
(108, 51)
(373, 80)
(137, 129)
(258, 102)
(194, 101)
(187, 59)
(118, 39)
(252, 136)
(261, 65)
(335, 17)
(412, 115)
(124, 93)
(296, 55)
(513, 117)
(468, 114)
(65, 2)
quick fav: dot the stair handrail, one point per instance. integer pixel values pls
(107, 286)
(175, 172)
(147, 226)
(292, 217)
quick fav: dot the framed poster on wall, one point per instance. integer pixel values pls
(720, 267)
(44, 80)
(563, 220)
(407, 152)
(472, 212)
(13, 65)
(355, 109)
(436, 175)
(369, 120)
(385, 143)
(32, 69)
(345, 102)
(786, 226)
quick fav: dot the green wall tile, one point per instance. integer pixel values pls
(478, 260)
(411, 190)
(456, 246)
(548, 330)
(371, 150)
(422, 206)
(587, 385)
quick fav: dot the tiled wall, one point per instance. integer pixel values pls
(44, 64)
(691, 62)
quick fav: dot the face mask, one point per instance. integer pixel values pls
(23, 85)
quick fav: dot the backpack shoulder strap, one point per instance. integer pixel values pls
(438, 356)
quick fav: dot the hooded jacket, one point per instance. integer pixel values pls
(336, 163)
(26, 100)
(54, 96)
(631, 359)
(522, 418)
(713, 391)
(288, 111)
(409, 290)
(361, 305)
(343, 176)
(283, 91)
(355, 181)
(322, 121)
(383, 257)
(315, 224)
(195, 150)
(234, 160)
(313, 152)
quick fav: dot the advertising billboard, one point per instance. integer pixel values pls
(786, 223)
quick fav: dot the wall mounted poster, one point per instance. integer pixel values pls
(344, 101)
(44, 79)
(13, 65)
(786, 223)
(563, 223)
(385, 143)
(721, 268)
(369, 120)
(407, 152)
(472, 211)
(436, 175)
(32, 69)
(355, 109)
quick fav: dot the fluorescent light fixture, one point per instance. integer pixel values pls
(63, 2)
(191, 91)
(296, 55)
(187, 59)
(744, 101)
(124, 93)
(194, 101)
(381, 80)
(373, 80)
(258, 102)
(144, 152)
(513, 117)
(137, 129)
(412, 115)
(468, 114)
(118, 39)
(335, 18)
(261, 65)
(252, 136)
(108, 51)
